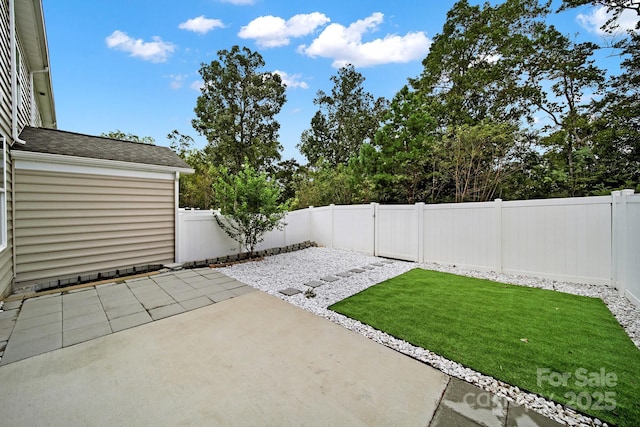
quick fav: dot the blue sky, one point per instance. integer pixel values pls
(133, 65)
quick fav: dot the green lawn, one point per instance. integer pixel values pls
(565, 347)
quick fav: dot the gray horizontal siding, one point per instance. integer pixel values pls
(77, 224)
(6, 256)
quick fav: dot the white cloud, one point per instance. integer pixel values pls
(201, 24)
(273, 31)
(292, 80)
(239, 2)
(177, 80)
(154, 51)
(197, 85)
(598, 16)
(345, 46)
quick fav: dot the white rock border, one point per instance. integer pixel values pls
(294, 269)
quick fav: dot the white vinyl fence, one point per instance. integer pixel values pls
(592, 240)
(626, 247)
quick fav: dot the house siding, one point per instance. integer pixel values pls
(70, 224)
(6, 255)
(5, 69)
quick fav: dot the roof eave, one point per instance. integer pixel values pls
(98, 163)
(31, 28)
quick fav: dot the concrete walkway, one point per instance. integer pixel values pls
(250, 360)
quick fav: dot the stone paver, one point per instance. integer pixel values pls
(329, 279)
(130, 321)
(464, 404)
(519, 416)
(344, 274)
(242, 290)
(6, 327)
(232, 285)
(11, 305)
(51, 328)
(85, 333)
(22, 349)
(49, 322)
(290, 291)
(39, 310)
(83, 321)
(166, 311)
(192, 304)
(124, 310)
(221, 280)
(190, 294)
(357, 270)
(32, 322)
(462, 400)
(314, 284)
(221, 296)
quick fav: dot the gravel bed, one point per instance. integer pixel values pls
(295, 269)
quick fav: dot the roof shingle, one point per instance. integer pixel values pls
(53, 141)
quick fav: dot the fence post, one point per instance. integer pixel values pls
(420, 231)
(619, 235)
(374, 215)
(498, 234)
(332, 206)
(310, 228)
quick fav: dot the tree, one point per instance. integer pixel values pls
(346, 119)
(481, 157)
(568, 70)
(237, 109)
(614, 7)
(118, 134)
(195, 189)
(248, 206)
(461, 133)
(406, 167)
(288, 173)
(325, 185)
(473, 68)
(616, 144)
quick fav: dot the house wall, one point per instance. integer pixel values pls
(5, 69)
(6, 260)
(71, 224)
(27, 109)
(6, 254)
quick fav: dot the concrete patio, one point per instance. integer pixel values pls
(61, 319)
(250, 360)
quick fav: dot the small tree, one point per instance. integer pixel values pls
(249, 206)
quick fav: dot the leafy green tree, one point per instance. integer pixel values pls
(473, 68)
(346, 119)
(195, 189)
(560, 77)
(122, 136)
(481, 157)
(470, 89)
(614, 7)
(325, 185)
(616, 144)
(237, 109)
(288, 173)
(405, 164)
(248, 206)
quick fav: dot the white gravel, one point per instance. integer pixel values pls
(295, 269)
